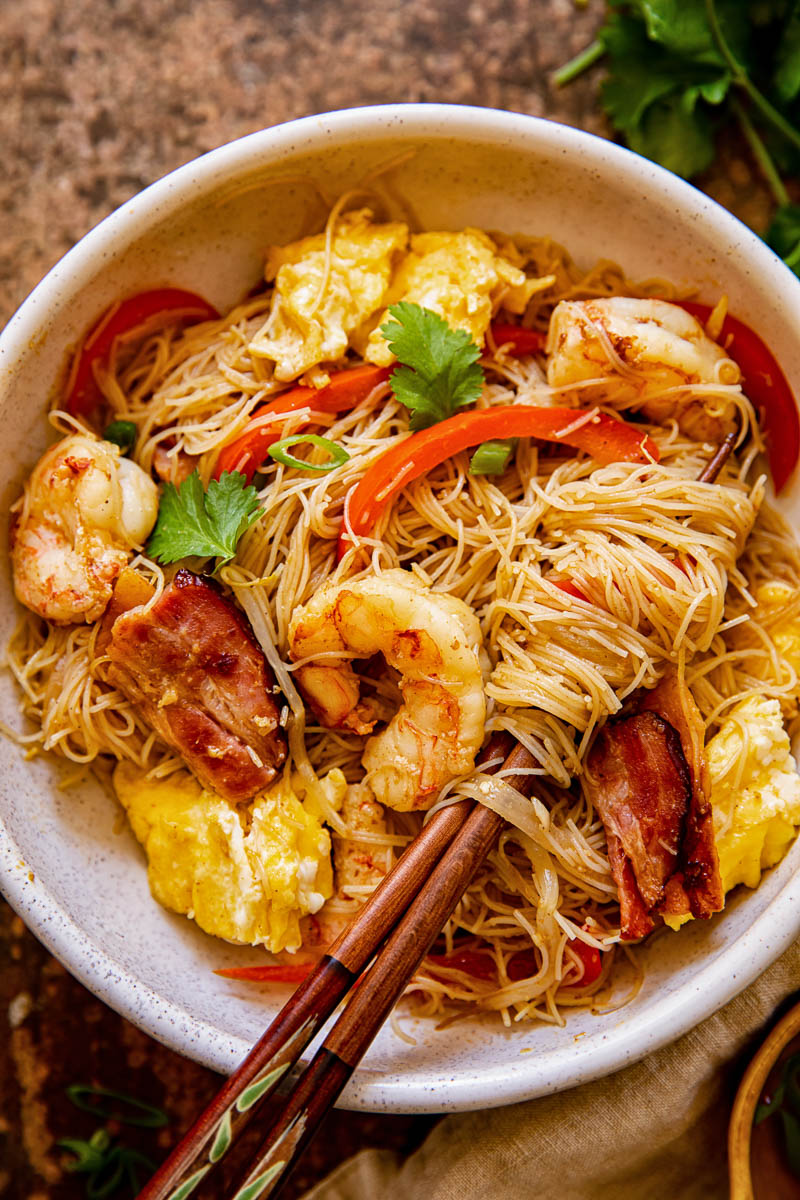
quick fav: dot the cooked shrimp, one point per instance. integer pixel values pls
(434, 642)
(358, 867)
(84, 509)
(641, 352)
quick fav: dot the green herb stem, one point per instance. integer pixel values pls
(135, 1112)
(580, 63)
(760, 153)
(743, 80)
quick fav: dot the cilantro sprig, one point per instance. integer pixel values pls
(206, 524)
(440, 371)
(680, 70)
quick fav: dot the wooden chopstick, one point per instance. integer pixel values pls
(310, 1005)
(315, 999)
(377, 992)
(715, 464)
(323, 1081)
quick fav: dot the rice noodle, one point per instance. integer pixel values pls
(669, 567)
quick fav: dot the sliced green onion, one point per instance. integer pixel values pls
(279, 451)
(492, 458)
(122, 434)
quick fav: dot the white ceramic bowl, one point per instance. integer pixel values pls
(78, 881)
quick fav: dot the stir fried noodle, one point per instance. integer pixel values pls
(660, 571)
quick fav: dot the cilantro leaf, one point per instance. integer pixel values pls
(440, 371)
(682, 27)
(679, 25)
(787, 60)
(675, 135)
(784, 235)
(232, 506)
(643, 74)
(207, 524)
(763, 12)
(638, 75)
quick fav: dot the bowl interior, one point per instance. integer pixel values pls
(66, 860)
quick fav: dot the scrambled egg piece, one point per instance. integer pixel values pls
(755, 791)
(244, 874)
(321, 298)
(332, 290)
(785, 630)
(461, 277)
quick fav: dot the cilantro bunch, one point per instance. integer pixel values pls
(681, 70)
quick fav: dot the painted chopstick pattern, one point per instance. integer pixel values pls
(309, 1007)
(370, 1003)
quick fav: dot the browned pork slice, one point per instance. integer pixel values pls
(647, 777)
(192, 666)
(634, 919)
(639, 782)
(697, 888)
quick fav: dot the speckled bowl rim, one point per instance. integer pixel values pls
(674, 1014)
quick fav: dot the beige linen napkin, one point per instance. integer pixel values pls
(655, 1131)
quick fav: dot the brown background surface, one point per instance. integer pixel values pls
(97, 100)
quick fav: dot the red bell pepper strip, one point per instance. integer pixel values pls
(605, 438)
(480, 966)
(345, 390)
(471, 962)
(82, 391)
(765, 384)
(591, 959)
(270, 973)
(521, 341)
(572, 589)
(524, 964)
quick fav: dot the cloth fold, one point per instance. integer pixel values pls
(654, 1131)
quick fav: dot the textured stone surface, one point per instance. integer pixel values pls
(98, 99)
